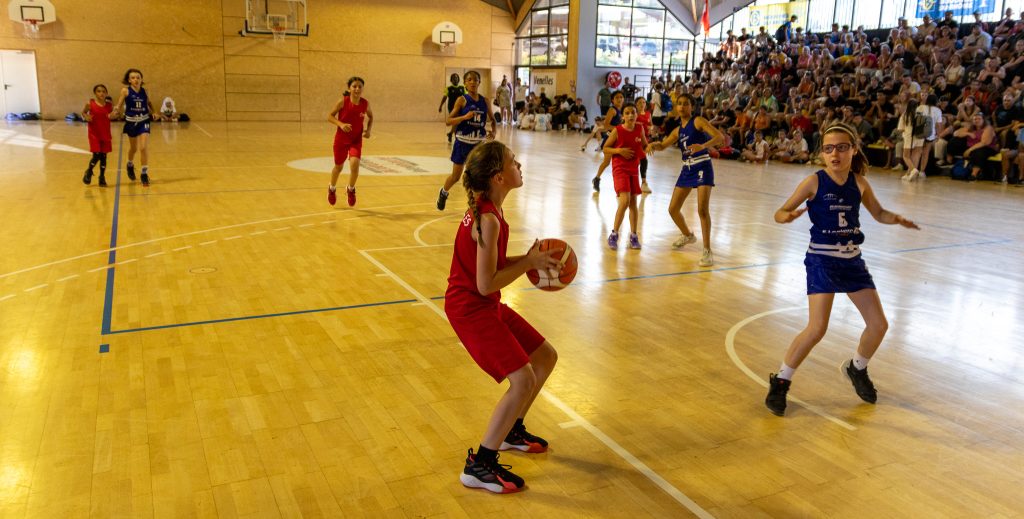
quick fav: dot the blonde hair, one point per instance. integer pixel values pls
(483, 163)
(859, 164)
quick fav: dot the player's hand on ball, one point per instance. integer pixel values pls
(541, 260)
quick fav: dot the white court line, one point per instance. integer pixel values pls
(235, 237)
(155, 254)
(306, 225)
(125, 262)
(182, 248)
(279, 229)
(416, 233)
(429, 245)
(211, 242)
(37, 287)
(601, 436)
(203, 231)
(6, 297)
(200, 128)
(65, 278)
(104, 267)
(257, 233)
(730, 348)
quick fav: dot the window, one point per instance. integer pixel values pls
(639, 34)
(543, 39)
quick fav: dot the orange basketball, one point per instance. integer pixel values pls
(551, 279)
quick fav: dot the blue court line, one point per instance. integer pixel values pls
(263, 316)
(952, 246)
(108, 297)
(438, 298)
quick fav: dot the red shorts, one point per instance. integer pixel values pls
(99, 146)
(626, 182)
(343, 150)
(498, 339)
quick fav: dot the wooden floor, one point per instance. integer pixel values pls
(270, 355)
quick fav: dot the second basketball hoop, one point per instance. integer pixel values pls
(446, 35)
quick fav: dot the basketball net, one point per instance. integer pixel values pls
(448, 49)
(279, 32)
(31, 28)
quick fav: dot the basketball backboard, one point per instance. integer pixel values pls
(279, 18)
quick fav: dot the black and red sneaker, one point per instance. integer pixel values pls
(332, 196)
(520, 440)
(351, 191)
(490, 475)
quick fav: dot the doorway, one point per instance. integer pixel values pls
(20, 92)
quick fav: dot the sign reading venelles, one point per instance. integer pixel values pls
(937, 8)
(544, 82)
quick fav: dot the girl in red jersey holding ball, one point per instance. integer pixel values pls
(501, 342)
(348, 115)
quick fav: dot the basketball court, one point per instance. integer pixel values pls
(225, 343)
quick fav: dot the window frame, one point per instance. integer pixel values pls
(626, 40)
(525, 36)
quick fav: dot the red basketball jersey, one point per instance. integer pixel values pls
(632, 140)
(352, 114)
(644, 121)
(462, 291)
(99, 126)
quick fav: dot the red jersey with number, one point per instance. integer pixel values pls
(463, 295)
(352, 113)
(633, 140)
(644, 121)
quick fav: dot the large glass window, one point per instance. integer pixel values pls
(543, 39)
(639, 34)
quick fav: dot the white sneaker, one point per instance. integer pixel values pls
(911, 175)
(645, 189)
(683, 241)
(1004, 180)
(706, 259)
(897, 167)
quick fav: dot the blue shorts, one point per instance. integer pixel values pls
(136, 129)
(696, 175)
(829, 275)
(460, 150)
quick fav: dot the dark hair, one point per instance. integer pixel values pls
(859, 164)
(100, 85)
(483, 163)
(454, 78)
(630, 105)
(908, 114)
(931, 100)
(618, 93)
(128, 73)
(353, 79)
(465, 76)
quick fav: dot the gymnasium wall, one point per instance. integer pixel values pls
(192, 52)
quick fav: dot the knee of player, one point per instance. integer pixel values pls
(523, 380)
(879, 325)
(816, 332)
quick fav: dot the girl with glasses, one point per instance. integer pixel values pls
(834, 196)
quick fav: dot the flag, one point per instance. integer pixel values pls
(705, 19)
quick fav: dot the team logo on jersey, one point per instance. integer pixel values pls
(467, 220)
(831, 196)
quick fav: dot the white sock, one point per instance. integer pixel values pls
(786, 372)
(860, 362)
(443, 191)
(351, 189)
(332, 188)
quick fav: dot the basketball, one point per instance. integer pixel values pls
(550, 279)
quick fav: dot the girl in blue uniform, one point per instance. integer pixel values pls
(138, 112)
(694, 137)
(470, 116)
(834, 264)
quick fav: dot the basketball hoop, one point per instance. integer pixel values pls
(31, 28)
(279, 32)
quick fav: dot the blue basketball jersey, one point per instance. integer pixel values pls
(472, 131)
(835, 218)
(688, 135)
(617, 118)
(136, 106)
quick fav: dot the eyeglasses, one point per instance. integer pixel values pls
(842, 147)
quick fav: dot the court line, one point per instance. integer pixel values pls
(730, 349)
(108, 296)
(66, 278)
(261, 316)
(416, 233)
(37, 287)
(659, 481)
(202, 129)
(192, 233)
(6, 297)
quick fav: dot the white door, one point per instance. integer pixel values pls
(20, 90)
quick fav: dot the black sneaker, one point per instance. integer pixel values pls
(145, 179)
(87, 179)
(861, 382)
(103, 181)
(491, 476)
(442, 199)
(131, 171)
(596, 181)
(776, 399)
(520, 440)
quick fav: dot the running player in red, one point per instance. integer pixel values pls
(501, 342)
(625, 147)
(348, 114)
(643, 120)
(97, 113)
